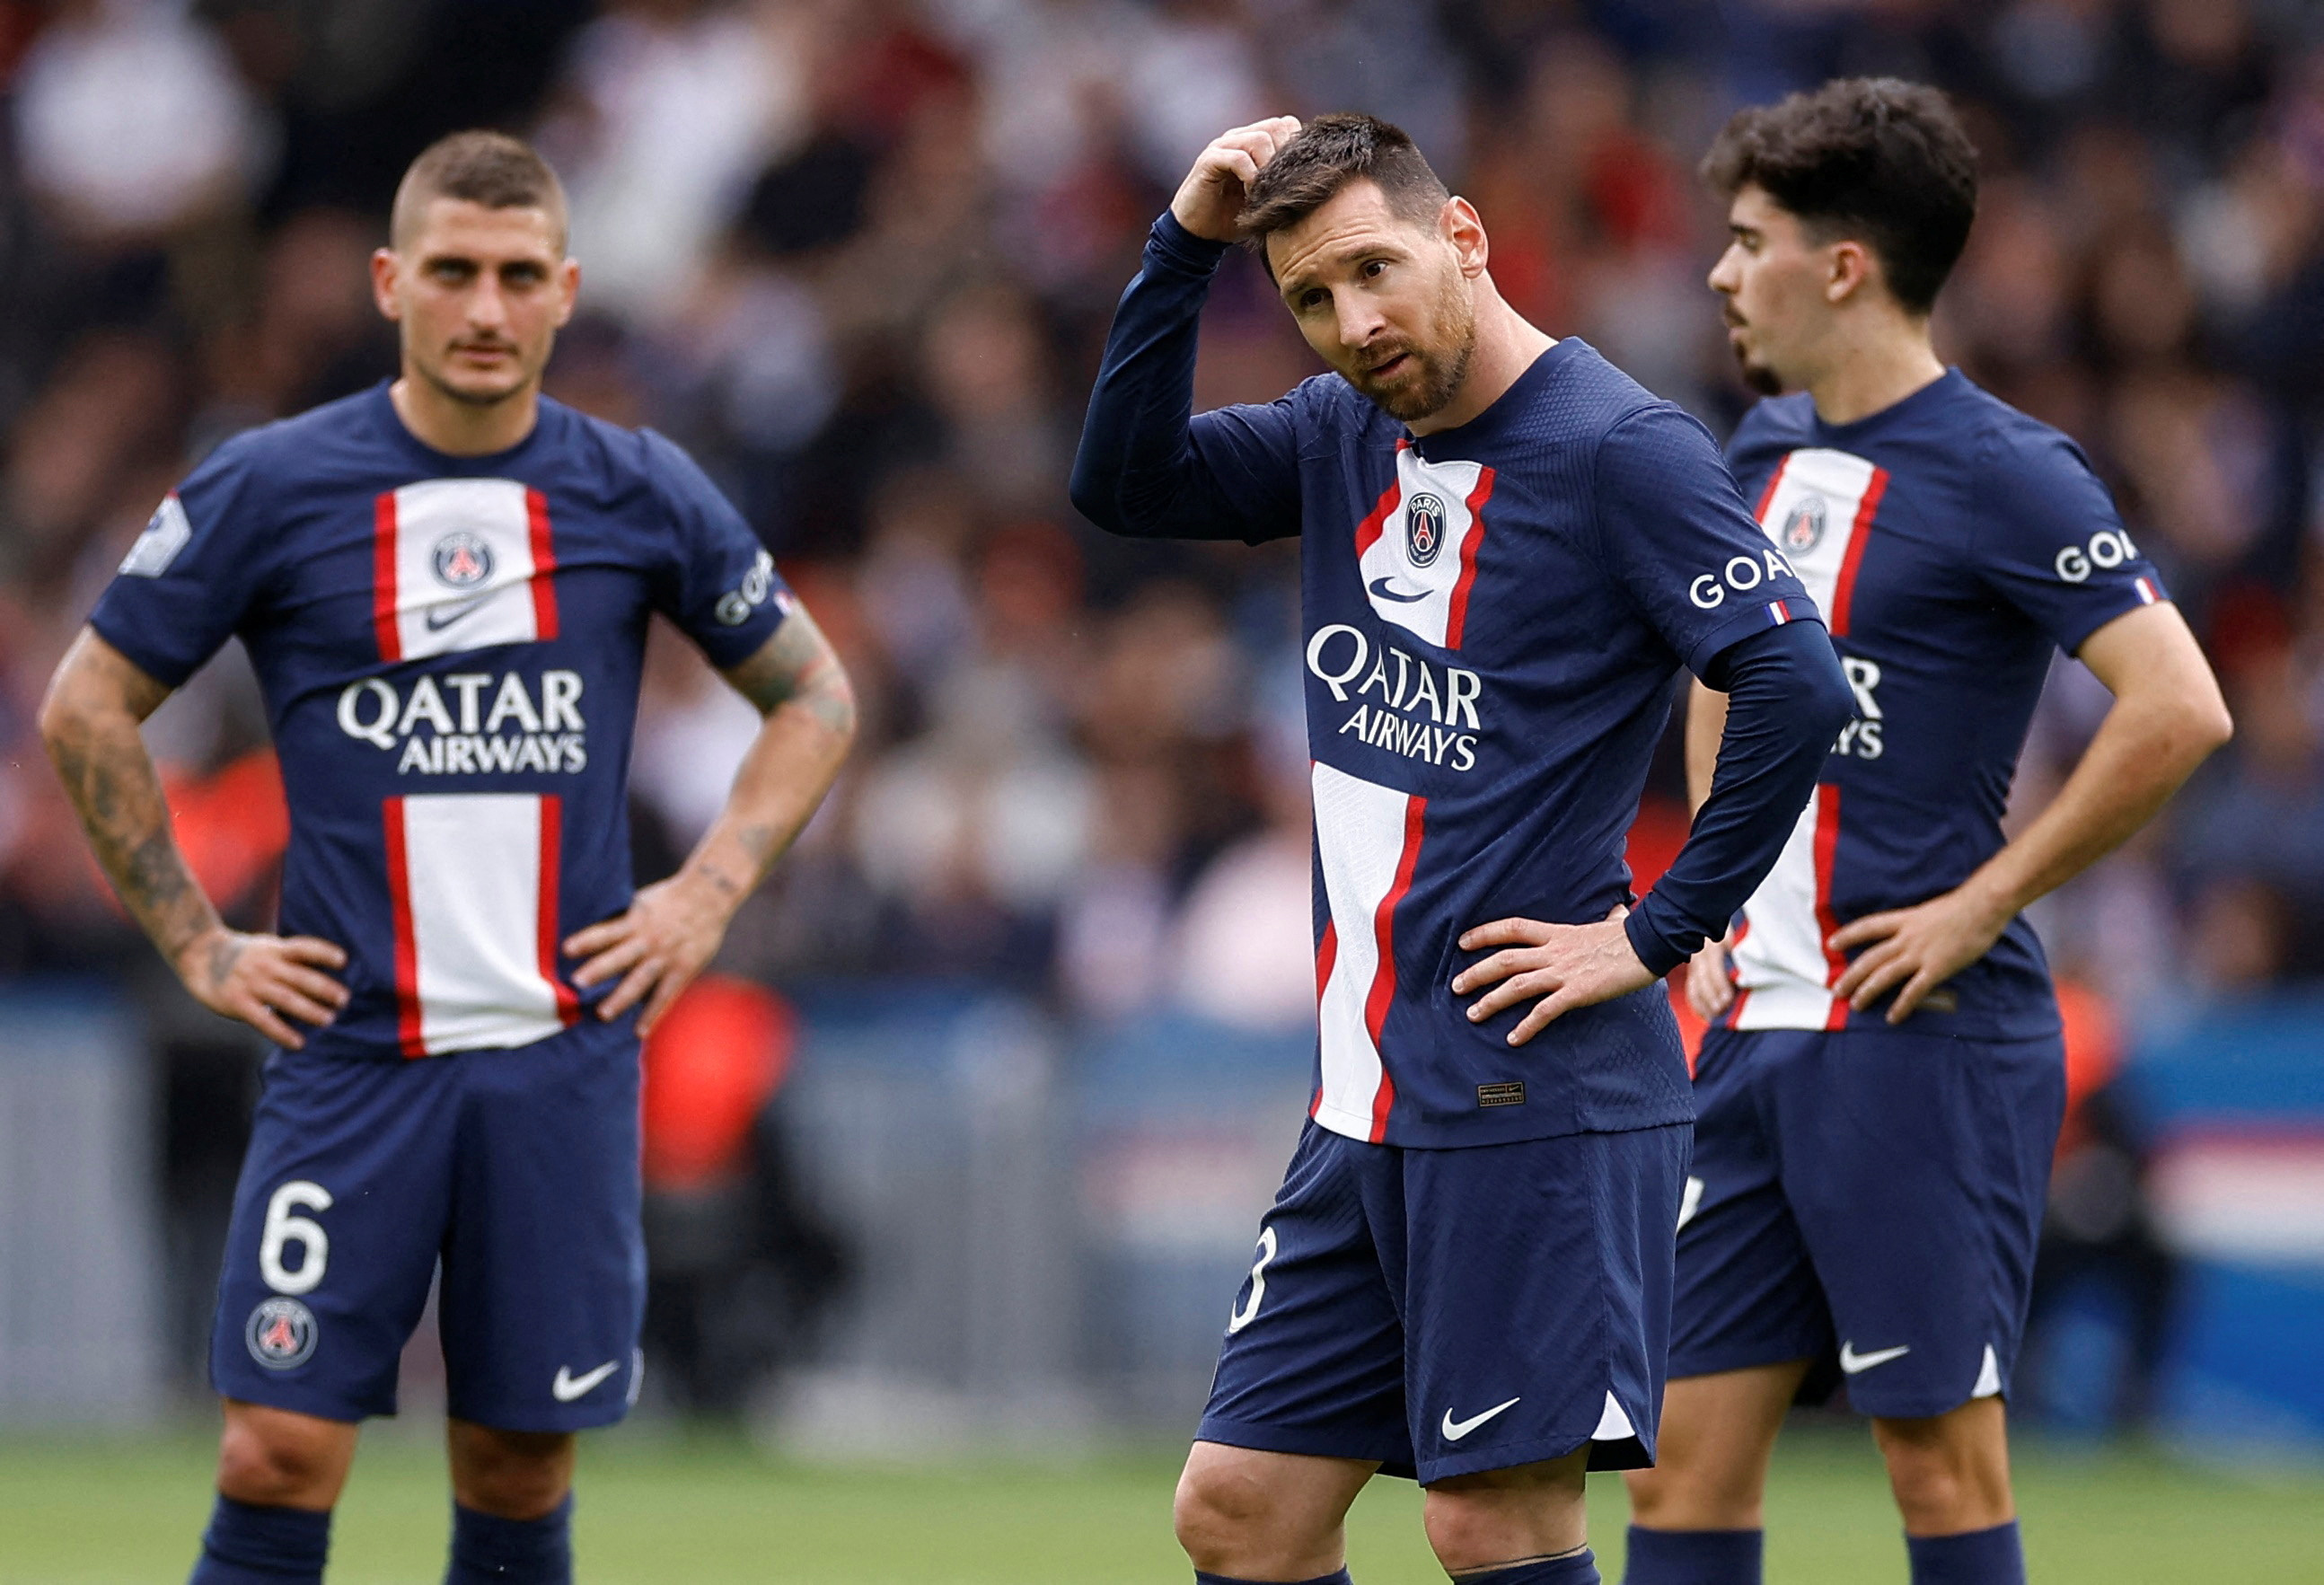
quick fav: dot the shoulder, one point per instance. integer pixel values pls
(1774, 424)
(298, 447)
(2017, 447)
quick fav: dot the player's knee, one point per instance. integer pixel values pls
(1945, 1481)
(1495, 1517)
(510, 1474)
(1214, 1512)
(277, 1464)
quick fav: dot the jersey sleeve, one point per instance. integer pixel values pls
(1676, 538)
(191, 578)
(2049, 541)
(721, 587)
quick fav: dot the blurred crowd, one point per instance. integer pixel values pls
(859, 256)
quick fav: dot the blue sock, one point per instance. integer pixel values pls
(487, 1550)
(1579, 1568)
(1202, 1579)
(1980, 1557)
(247, 1545)
(1694, 1557)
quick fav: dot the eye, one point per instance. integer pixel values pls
(1375, 268)
(1313, 298)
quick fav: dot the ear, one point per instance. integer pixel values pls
(1458, 224)
(1851, 270)
(568, 281)
(386, 267)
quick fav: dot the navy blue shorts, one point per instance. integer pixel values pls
(517, 1170)
(1445, 1311)
(1873, 1190)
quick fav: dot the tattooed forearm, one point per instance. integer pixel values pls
(89, 723)
(798, 683)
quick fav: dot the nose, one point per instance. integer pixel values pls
(1359, 321)
(1723, 278)
(487, 309)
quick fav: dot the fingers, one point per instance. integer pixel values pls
(267, 1022)
(1890, 970)
(307, 982)
(631, 991)
(1909, 999)
(667, 991)
(1708, 991)
(1498, 967)
(1545, 1012)
(1509, 993)
(1870, 928)
(597, 937)
(309, 949)
(1238, 163)
(625, 953)
(1507, 933)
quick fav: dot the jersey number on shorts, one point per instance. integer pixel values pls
(285, 1227)
(1249, 1312)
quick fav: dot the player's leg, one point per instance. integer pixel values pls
(1922, 1216)
(1538, 1285)
(543, 1291)
(1746, 1317)
(1308, 1400)
(328, 1263)
(1244, 1514)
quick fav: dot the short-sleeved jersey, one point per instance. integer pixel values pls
(1493, 617)
(450, 650)
(1955, 544)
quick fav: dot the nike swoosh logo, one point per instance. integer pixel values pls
(1851, 1362)
(568, 1386)
(440, 617)
(1454, 1430)
(1379, 587)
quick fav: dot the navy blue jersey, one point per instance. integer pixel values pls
(450, 650)
(1955, 544)
(1493, 616)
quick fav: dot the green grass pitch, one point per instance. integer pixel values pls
(657, 1509)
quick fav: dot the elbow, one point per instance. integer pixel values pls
(1091, 497)
(1829, 704)
(62, 720)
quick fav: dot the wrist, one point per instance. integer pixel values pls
(1994, 900)
(710, 888)
(1176, 244)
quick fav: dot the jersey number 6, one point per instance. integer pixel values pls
(283, 1226)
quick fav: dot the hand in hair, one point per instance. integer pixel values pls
(1213, 195)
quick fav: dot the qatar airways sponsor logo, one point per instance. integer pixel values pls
(470, 722)
(1742, 574)
(1403, 703)
(1860, 738)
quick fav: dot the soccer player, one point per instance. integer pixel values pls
(1509, 551)
(1884, 1086)
(444, 584)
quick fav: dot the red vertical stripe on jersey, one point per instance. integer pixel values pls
(1456, 614)
(1843, 589)
(552, 862)
(1383, 987)
(1368, 533)
(1768, 494)
(382, 579)
(1827, 841)
(407, 940)
(544, 568)
(1327, 953)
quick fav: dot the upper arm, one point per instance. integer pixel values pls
(718, 583)
(192, 576)
(798, 665)
(1251, 453)
(2050, 543)
(2149, 654)
(1678, 538)
(93, 677)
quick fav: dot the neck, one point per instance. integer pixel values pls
(443, 423)
(1506, 345)
(1874, 368)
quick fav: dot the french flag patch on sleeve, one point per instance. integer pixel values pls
(1779, 611)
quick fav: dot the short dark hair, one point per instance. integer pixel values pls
(1881, 159)
(1330, 153)
(488, 167)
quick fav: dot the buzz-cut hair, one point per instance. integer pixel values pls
(488, 167)
(1329, 153)
(1875, 157)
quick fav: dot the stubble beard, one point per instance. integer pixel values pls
(1759, 376)
(1440, 373)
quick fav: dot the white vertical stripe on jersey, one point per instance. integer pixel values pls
(1361, 832)
(1813, 511)
(471, 876)
(437, 517)
(1421, 599)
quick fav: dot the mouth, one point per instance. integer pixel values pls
(1388, 367)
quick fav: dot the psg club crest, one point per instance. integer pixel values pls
(1423, 528)
(280, 1333)
(462, 560)
(1804, 529)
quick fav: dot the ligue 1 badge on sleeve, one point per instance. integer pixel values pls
(280, 1333)
(1423, 528)
(1804, 529)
